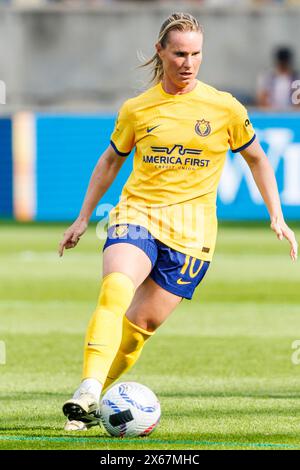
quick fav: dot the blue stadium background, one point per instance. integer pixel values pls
(68, 146)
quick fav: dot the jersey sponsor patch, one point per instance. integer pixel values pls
(177, 147)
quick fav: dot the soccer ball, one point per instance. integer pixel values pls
(129, 409)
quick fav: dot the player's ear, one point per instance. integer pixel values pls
(158, 48)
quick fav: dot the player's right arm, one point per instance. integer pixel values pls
(102, 177)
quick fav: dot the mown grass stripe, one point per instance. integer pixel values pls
(88, 440)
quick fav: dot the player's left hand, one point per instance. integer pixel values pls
(282, 230)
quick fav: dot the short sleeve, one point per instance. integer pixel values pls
(240, 130)
(123, 138)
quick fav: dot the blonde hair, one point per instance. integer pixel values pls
(175, 22)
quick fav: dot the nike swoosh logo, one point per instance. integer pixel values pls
(180, 281)
(150, 129)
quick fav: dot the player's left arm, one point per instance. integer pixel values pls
(265, 180)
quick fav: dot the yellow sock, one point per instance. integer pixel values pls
(133, 340)
(104, 332)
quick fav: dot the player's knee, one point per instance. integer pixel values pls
(116, 293)
(134, 336)
(144, 323)
(152, 325)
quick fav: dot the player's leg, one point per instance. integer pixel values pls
(126, 263)
(124, 267)
(150, 307)
(174, 276)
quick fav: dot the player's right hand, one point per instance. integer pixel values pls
(72, 235)
(282, 230)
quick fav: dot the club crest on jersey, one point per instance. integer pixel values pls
(120, 231)
(203, 128)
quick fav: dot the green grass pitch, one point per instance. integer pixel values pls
(221, 366)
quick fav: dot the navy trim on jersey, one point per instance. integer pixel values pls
(122, 154)
(244, 146)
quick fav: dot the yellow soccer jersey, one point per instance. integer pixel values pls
(180, 144)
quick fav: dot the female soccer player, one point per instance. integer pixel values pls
(161, 236)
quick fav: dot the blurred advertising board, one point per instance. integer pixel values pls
(51, 158)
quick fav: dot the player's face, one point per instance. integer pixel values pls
(181, 59)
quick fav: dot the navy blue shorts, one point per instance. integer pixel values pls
(175, 272)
